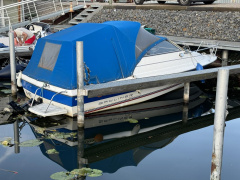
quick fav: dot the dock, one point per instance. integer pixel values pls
(222, 74)
(223, 45)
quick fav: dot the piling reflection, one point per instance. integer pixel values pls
(16, 136)
(185, 113)
(80, 153)
(118, 138)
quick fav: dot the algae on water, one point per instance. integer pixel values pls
(77, 173)
(62, 176)
(132, 120)
(31, 143)
(5, 141)
(52, 151)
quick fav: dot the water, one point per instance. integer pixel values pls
(145, 141)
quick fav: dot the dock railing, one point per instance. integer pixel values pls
(25, 12)
(4, 21)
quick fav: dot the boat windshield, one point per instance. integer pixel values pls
(162, 48)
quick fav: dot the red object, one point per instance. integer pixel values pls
(30, 40)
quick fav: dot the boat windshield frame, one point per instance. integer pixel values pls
(177, 49)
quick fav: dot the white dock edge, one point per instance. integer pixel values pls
(52, 110)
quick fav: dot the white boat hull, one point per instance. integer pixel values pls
(102, 104)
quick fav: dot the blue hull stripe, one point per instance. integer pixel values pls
(63, 99)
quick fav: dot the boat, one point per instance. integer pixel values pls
(167, 104)
(5, 71)
(113, 51)
(22, 51)
(39, 29)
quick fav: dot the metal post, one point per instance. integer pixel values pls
(62, 7)
(54, 6)
(9, 20)
(186, 93)
(16, 136)
(225, 58)
(71, 10)
(29, 12)
(2, 14)
(80, 84)
(12, 63)
(219, 123)
(23, 12)
(36, 11)
(84, 6)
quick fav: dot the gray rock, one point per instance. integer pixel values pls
(198, 24)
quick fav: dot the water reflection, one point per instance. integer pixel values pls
(118, 138)
(112, 139)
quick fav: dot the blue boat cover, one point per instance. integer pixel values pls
(111, 50)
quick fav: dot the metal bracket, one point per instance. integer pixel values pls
(83, 92)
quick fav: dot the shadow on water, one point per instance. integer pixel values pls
(122, 137)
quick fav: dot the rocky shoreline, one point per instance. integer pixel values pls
(212, 25)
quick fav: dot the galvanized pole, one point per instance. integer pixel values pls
(225, 58)
(12, 63)
(186, 93)
(80, 84)
(219, 123)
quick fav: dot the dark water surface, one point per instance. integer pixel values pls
(148, 141)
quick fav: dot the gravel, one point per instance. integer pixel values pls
(191, 24)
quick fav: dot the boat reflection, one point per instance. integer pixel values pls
(120, 137)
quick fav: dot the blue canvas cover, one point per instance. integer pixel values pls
(108, 52)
